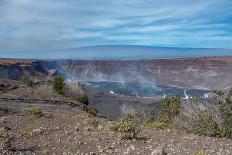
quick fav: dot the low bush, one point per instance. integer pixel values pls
(208, 117)
(170, 109)
(211, 117)
(206, 125)
(34, 111)
(128, 127)
(83, 99)
(224, 103)
(198, 116)
(27, 81)
(150, 119)
(25, 134)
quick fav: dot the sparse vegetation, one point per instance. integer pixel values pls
(170, 109)
(199, 117)
(128, 127)
(93, 122)
(224, 103)
(83, 99)
(58, 84)
(34, 111)
(206, 124)
(25, 134)
(150, 119)
(27, 81)
(208, 118)
(74, 89)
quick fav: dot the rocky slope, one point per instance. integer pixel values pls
(15, 69)
(67, 129)
(65, 133)
(205, 72)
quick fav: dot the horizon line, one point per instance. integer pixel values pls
(116, 45)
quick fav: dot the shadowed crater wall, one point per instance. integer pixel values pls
(203, 73)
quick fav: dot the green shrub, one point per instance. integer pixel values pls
(83, 99)
(25, 134)
(206, 125)
(128, 127)
(170, 109)
(224, 102)
(218, 92)
(150, 119)
(58, 85)
(211, 119)
(34, 111)
(27, 81)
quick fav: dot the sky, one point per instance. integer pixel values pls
(61, 24)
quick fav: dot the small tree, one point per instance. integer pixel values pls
(58, 84)
(27, 81)
(170, 109)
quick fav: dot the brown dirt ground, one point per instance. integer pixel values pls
(71, 133)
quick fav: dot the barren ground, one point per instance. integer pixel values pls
(65, 131)
(71, 133)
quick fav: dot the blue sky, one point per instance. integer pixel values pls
(60, 24)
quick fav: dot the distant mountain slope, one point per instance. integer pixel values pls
(118, 52)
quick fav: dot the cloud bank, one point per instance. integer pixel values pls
(59, 24)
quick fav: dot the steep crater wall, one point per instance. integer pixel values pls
(16, 69)
(204, 73)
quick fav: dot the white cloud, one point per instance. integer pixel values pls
(33, 24)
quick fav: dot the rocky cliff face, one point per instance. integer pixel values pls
(206, 72)
(209, 73)
(14, 69)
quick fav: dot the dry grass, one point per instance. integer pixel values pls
(43, 91)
